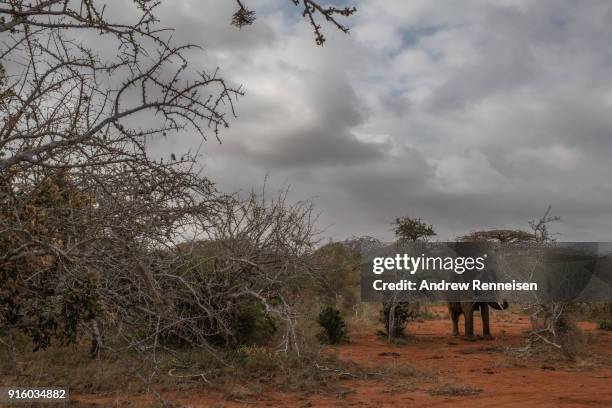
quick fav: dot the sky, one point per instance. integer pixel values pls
(470, 114)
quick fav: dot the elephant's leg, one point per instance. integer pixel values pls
(455, 317)
(468, 314)
(484, 313)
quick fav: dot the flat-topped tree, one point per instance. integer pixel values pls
(498, 235)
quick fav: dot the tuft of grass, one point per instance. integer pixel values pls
(478, 350)
(454, 390)
(605, 324)
(408, 371)
(425, 313)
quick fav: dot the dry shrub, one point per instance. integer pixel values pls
(554, 325)
(571, 338)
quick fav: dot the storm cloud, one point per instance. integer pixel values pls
(471, 114)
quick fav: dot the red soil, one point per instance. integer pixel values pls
(504, 380)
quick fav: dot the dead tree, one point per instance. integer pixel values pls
(551, 322)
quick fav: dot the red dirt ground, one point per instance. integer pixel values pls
(505, 380)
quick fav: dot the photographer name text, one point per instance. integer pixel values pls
(424, 285)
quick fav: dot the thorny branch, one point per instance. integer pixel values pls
(310, 10)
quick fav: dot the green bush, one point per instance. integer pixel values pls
(334, 328)
(253, 325)
(246, 323)
(395, 322)
(605, 324)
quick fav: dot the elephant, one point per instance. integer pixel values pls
(467, 309)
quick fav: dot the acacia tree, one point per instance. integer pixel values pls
(396, 313)
(499, 235)
(89, 216)
(412, 229)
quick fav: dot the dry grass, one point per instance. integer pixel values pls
(454, 390)
(65, 367)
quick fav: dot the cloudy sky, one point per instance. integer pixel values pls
(470, 114)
